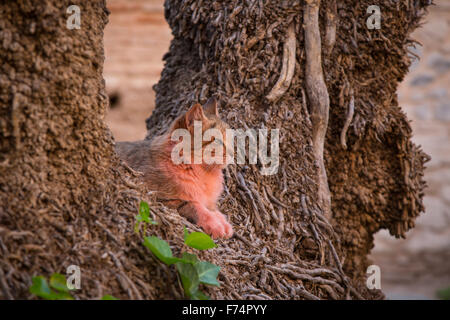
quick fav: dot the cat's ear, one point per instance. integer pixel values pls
(195, 113)
(210, 107)
(186, 121)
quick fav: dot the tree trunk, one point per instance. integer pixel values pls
(241, 53)
(66, 199)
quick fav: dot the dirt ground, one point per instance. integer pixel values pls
(138, 36)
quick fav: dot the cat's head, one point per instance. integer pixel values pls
(213, 132)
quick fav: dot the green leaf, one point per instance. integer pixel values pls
(444, 294)
(109, 297)
(143, 216)
(198, 295)
(160, 249)
(207, 273)
(200, 241)
(189, 258)
(58, 282)
(189, 278)
(144, 211)
(41, 289)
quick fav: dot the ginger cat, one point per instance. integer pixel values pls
(191, 188)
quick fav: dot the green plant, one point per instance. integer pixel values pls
(198, 240)
(57, 290)
(109, 297)
(143, 217)
(192, 271)
(444, 294)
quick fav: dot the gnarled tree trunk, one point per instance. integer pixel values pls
(64, 197)
(338, 110)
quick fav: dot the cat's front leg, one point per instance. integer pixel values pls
(212, 222)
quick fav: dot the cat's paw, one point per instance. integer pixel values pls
(216, 225)
(227, 226)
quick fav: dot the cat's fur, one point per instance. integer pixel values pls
(191, 188)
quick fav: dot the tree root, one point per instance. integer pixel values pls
(306, 277)
(288, 68)
(318, 96)
(245, 188)
(330, 32)
(4, 286)
(348, 120)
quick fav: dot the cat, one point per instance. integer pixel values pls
(193, 189)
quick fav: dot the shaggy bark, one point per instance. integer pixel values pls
(241, 52)
(66, 199)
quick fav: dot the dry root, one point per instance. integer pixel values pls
(288, 68)
(318, 96)
(348, 120)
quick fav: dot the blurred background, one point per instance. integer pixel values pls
(138, 36)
